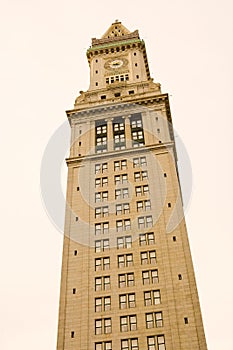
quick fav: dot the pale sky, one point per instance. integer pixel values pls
(43, 67)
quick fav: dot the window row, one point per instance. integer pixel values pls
(127, 280)
(125, 241)
(125, 301)
(129, 323)
(124, 260)
(147, 257)
(123, 208)
(121, 193)
(154, 342)
(118, 165)
(117, 78)
(121, 179)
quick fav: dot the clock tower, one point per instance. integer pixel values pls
(127, 275)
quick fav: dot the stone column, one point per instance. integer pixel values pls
(128, 137)
(110, 134)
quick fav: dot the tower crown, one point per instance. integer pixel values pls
(119, 56)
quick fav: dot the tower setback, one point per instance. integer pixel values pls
(127, 275)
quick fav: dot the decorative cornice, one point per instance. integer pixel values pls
(114, 44)
(161, 147)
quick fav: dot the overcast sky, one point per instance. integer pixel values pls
(43, 67)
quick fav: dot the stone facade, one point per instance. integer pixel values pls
(127, 274)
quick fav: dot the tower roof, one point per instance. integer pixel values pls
(116, 32)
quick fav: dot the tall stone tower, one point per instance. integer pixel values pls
(127, 276)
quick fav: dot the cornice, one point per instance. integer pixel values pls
(161, 148)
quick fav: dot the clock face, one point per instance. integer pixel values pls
(116, 63)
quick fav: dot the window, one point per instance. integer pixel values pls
(122, 209)
(101, 196)
(106, 280)
(72, 334)
(147, 205)
(102, 264)
(145, 221)
(98, 304)
(98, 326)
(102, 129)
(144, 258)
(124, 242)
(125, 260)
(107, 345)
(120, 165)
(123, 225)
(126, 280)
(127, 301)
(105, 196)
(121, 179)
(121, 193)
(154, 319)
(98, 264)
(144, 205)
(101, 228)
(128, 323)
(101, 168)
(152, 257)
(161, 342)
(97, 197)
(104, 211)
(106, 263)
(146, 238)
(117, 78)
(103, 325)
(125, 193)
(97, 212)
(107, 303)
(129, 344)
(152, 297)
(98, 283)
(103, 304)
(141, 190)
(148, 257)
(97, 182)
(137, 176)
(104, 181)
(138, 191)
(137, 123)
(101, 245)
